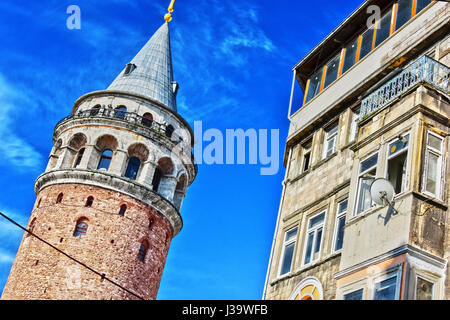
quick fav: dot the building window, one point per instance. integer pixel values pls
(129, 69)
(354, 125)
(366, 43)
(169, 131)
(95, 110)
(143, 251)
(105, 160)
(386, 289)
(421, 4)
(81, 228)
(59, 198)
(367, 173)
(314, 85)
(120, 112)
(287, 254)
(433, 165)
(123, 209)
(308, 289)
(340, 224)
(133, 168)
(404, 12)
(157, 179)
(89, 201)
(332, 71)
(355, 295)
(383, 28)
(79, 157)
(350, 55)
(314, 238)
(306, 163)
(147, 119)
(424, 289)
(397, 163)
(329, 146)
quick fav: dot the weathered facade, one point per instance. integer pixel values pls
(112, 191)
(376, 105)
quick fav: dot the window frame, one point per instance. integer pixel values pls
(353, 291)
(386, 275)
(314, 230)
(286, 243)
(360, 175)
(395, 155)
(328, 137)
(434, 283)
(440, 167)
(339, 216)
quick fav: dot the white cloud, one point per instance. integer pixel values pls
(13, 149)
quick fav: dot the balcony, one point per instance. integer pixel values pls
(163, 130)
(423, 70)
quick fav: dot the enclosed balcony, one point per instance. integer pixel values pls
(422, 71)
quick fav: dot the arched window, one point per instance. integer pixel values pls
(123, 209)
(81, 228)
(89, 201)
(95, 110)
(120, 112)
(157, 179)
(147, 119)
(143, 251)
(169, 131)
(59, 198)
(308, 289)
(133, 168)
(105, 160)
(31, 227)
(151, 223)
(79, 157)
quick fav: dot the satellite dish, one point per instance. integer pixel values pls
(382, 192)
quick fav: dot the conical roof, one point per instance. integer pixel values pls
(150, 73)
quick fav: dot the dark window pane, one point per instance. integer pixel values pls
(384, 28)
(350, 55)
(385, 290)
(369, 163)
(105, 160)
(142, 252)
(81, 229)
(120, 112)
(317, 244)
(332, 71)
(309, 248)
(157, 179)
(123, 209)
(79, 157)
(340, 234)
(366, 43)
(287, 258)
(314, 85)
(421, 4)
(356, 295)
(316, 220)
(403, 13)
(132, 168)
(306, 161)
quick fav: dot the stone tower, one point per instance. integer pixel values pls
(112, 191)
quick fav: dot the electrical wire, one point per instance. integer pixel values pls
(70, 257)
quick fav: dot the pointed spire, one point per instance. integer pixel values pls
(150, 73)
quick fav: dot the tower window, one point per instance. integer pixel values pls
(129, 69)
(147, 119)
(157, 179)
(123, 209)
(120, 112)
(59, 198)
(95, 110)
(143, 251)
(105, 159)
(81, 228)
(79, 157)
(89, 201)
(151, 223)
(169, 131)
(133, 168)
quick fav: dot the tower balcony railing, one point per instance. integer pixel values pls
(423, 70)
(129, 117)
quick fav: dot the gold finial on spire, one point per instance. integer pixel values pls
(168, 16)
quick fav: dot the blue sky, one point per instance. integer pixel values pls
(233, 60)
